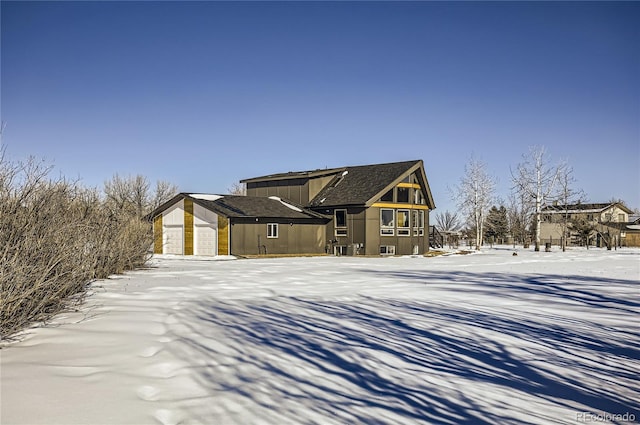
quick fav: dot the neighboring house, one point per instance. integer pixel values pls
(378, 209)
(607, 219)
(630, 233)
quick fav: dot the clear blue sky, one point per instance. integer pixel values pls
(203, 94)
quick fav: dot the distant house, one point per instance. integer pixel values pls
(380, 209)
(607, 220)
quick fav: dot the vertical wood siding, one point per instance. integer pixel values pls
(223, 235)
(188, 227)
(157, 235)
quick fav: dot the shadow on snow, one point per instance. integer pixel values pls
(380, 360)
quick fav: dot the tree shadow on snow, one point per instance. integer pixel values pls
(377, 361)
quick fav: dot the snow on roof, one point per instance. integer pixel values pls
(293, 207)
(205, 196)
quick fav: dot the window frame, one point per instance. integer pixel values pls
(388, 230)
(273, 232)
(403, 190)
(389, 250)
(404, 230)
(340, 230)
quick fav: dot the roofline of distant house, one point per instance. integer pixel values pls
(587, 208)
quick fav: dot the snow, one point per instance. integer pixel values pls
(206, 196)
(293, 207)
(484, 338)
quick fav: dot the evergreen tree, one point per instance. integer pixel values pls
(497, 224)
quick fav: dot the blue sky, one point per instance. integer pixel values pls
(203, 94)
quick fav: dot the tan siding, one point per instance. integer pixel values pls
(157, 235)
(223, 235)
(188, 227)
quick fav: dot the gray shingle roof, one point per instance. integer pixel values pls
(357, 185)
(257, 206)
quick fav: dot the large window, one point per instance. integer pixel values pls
(403, 223)
(272, 230)
(418, 198)
(387, 197)
(403, 194)
(340, 220)
(387, 222)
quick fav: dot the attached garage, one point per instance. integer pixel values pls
(201, 224)
(184, 227)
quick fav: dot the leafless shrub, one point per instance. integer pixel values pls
(55, 237)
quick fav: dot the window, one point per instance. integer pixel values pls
(403, 223)
(387, 249)
(387, 222)
(403, 194)
(387, 197)
(421, 223)
(340, 220)
(414, 221)
(418, 198)
(607, 217)
(272, 230)
(621, 218)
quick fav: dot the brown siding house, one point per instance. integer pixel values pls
(380, 209)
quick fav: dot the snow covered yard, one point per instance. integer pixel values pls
(487, 338)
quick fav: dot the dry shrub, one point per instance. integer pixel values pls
(55, 237)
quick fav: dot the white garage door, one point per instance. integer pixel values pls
(173, 238)
(205, 240)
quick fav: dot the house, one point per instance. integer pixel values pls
(380, 209)
(205, 224)
(606, 220)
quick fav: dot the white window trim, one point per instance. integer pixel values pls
(404, 230)
(390, 249)
(388, 230)
(340, 230)
(270, 231)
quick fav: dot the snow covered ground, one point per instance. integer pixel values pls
(486, 338)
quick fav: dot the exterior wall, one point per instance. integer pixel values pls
(550, 230)
(188, 227)
(631, 238)
(615, 212)
(205, 231)
(178, 229)
(250, 238)
(295, 190)
(173, 229)
(157, 235)
(404, 245)
(354, 242)
(223, 235)
(316, 184)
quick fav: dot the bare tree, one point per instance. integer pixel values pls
(448, 224)
(238, 188)
(535, 178)
(475, 194)
(163, 192)
(133, 194)
(567, 195)
(448, 221)
(519, 210)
